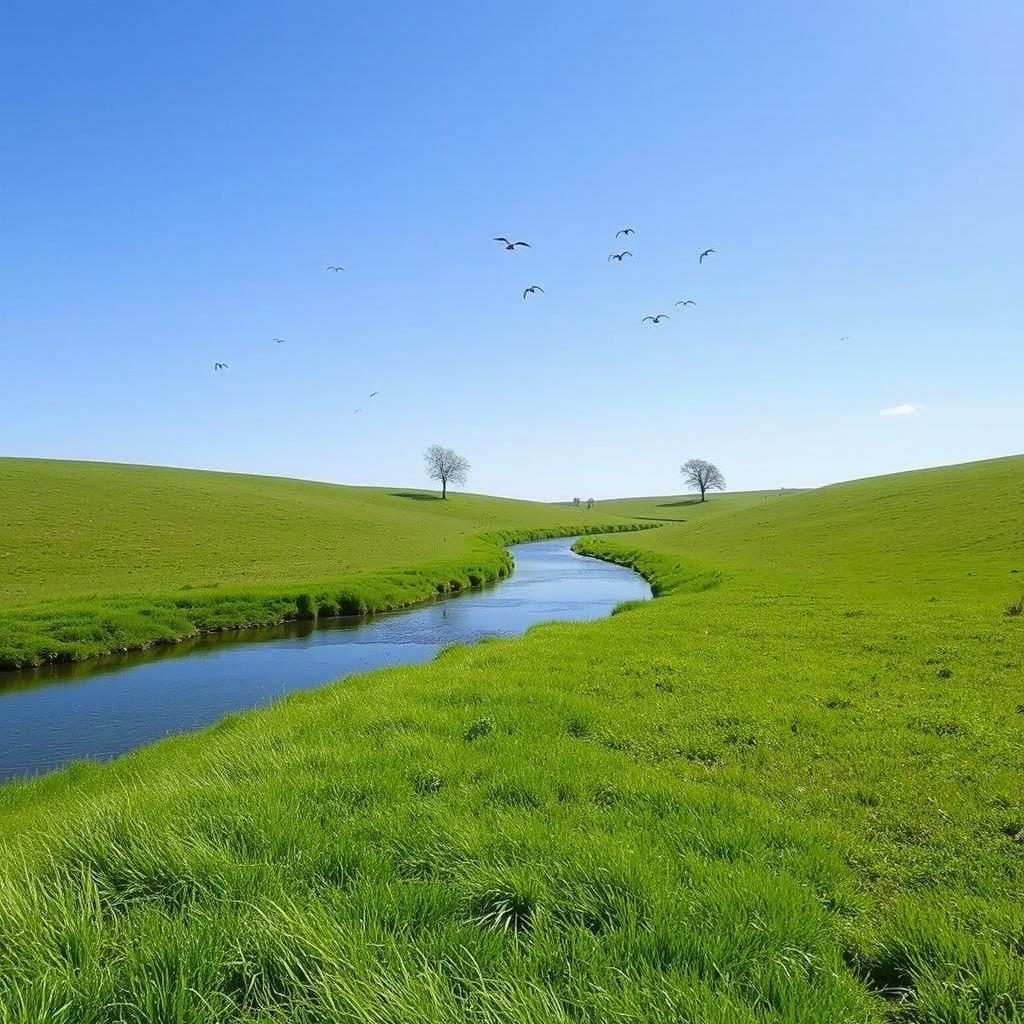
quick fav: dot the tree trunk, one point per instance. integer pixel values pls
(702, 498)
(444, 488)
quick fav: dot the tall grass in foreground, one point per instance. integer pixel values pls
(286, 877)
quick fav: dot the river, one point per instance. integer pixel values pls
(105, 707)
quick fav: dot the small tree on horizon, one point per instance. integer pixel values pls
(705, 476)
(446, 465)
(576, 502)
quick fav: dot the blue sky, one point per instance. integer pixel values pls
(178, 177)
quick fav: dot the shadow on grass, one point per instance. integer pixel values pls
(413, 496)
(660, 519)
(677, 504)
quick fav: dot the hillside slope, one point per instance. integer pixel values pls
(73, 528)
(952, 529)
(689, 507)
(97, 557)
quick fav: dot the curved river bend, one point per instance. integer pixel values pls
(105, 707)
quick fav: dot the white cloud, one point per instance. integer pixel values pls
(906, 409)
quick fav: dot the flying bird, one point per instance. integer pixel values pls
(656, 319)
(706, 252)
(374, 394)
(686, 302)
(512, 245)
(335, 268)
(354, 411)
(220, 366)
(625, 231)
(618, 255)
(845, 337)
(280, 341)
(532, 289)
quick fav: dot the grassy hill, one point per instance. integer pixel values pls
(787, 791)
(687, 507)
(954, 533)
(97, 557)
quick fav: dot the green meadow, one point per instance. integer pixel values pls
(98, 558)
(788, 790)
(681, 508)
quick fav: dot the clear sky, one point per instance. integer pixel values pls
(176, 177)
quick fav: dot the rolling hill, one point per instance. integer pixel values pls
(786, 792)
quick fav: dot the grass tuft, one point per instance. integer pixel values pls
(481, 727)
(628, 606)
(504, 908)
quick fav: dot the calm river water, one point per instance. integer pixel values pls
(107, 706)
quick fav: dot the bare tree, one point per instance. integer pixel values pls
(446, 465)
(576, 502)
(705, 476)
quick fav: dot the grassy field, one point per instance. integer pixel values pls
(97, 558)
(681, 508)
(954, 535)
(789, 790)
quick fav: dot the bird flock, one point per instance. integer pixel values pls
(333, 268)
(615, 257)
(534, 289)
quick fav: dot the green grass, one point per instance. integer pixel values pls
(678, 508)
(99, 558)
(788, 790)
(953, 533)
